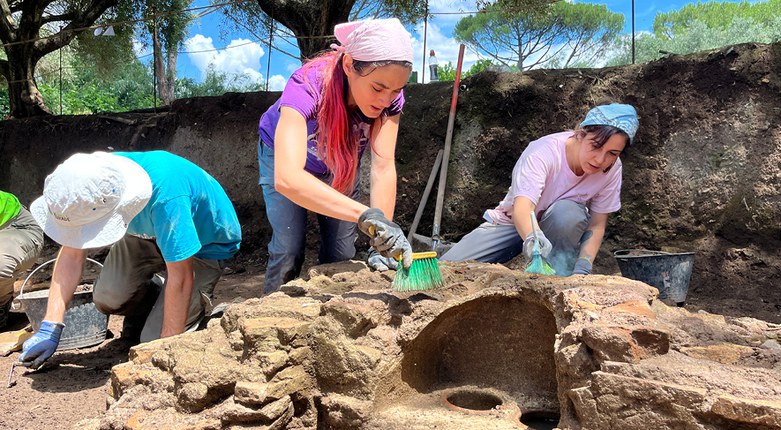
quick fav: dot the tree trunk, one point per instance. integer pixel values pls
(170, 77)
(24, 97)
(20, 35)
(310, 20)
(159, 65)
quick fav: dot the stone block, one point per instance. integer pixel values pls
(290, 381)
(651, 341)
(126, 375)
(341, 366)
(626, 344)
(299, 355)
(637, 308)
(251, 393)
(239, 413)
(276, 409)
(271, 362)
(609, 343)
(269, 334)
(748, 411)
(725, 353)
(355, 318)
(193, 396)
(345, 412)
(629, 402)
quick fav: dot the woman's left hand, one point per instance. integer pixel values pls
(582, 267)
(379, 263)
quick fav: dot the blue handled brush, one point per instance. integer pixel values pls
(538, 264)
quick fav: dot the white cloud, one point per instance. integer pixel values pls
(240, 57)
(276, 83)
(446, 49)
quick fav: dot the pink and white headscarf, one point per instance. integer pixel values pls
(374, 40)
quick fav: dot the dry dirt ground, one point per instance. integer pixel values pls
(73, 384)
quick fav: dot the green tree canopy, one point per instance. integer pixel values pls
(704, 26)
(592, 30)
(447, 72)
(159, 24)
(312, 21)
(563, 31)
(716, 15)
(31, 29)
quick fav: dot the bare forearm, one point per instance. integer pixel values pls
(522, 208)
(593, 240)
(298, 185)
(65, 278)
(305, 190)
(383, 190)
(178, 292)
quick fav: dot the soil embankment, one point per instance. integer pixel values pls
(703, 175)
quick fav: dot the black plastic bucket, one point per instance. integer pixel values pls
(667, 272)
(85, 325)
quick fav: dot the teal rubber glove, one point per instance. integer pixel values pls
(385, 236)
(582, 267)
(379, 263)
(41, 345)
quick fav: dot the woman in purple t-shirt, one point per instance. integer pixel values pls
(310, 146)
(572, 182)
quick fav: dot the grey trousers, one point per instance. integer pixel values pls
(563, 223)
(21, 241)
(125, 286)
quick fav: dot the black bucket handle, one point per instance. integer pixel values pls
(626, 253)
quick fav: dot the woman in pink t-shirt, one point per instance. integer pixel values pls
(310, 146)
(572, 182)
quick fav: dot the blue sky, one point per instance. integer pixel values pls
(238, 51)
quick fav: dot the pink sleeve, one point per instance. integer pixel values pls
(531, 172)
(608, 200)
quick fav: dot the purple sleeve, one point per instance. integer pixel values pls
(302, 94)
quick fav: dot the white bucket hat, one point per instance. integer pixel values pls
(89, 199)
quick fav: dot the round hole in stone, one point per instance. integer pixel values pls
(540, 420)
(472, 401)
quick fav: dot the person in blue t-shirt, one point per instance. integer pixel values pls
(161, 214)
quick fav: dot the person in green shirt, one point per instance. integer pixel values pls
(21, 241)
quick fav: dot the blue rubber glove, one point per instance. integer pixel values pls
(41, 345)
(379, 263)
(386, 236)
(582, 267)
(545, 246)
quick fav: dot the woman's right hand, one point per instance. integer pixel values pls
(544, 244)
(385, 236)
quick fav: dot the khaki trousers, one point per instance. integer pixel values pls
(126, 286)
(21, 241)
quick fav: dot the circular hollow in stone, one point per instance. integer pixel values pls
(540, 420)
(471, 401)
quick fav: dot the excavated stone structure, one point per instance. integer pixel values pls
(495, 349)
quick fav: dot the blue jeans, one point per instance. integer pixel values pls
(288, 223)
